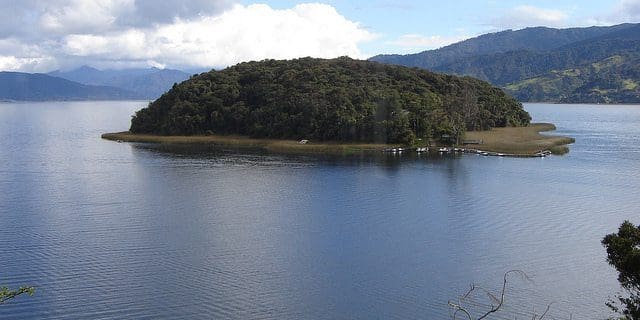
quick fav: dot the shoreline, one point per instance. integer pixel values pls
(521, 140)
(512, 141)
(273, 145)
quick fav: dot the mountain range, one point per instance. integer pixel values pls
(595, 64)
(146, 83)
(87, 83)
(18, 86)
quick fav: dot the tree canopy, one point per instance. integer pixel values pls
(329, 100)
(623, 253)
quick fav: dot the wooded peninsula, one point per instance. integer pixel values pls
(329, 101)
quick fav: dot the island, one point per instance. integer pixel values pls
(332, 105)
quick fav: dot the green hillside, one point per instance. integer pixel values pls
(536, 39)
(543, 64)
(612, 80)
(328, 100)
(504, 68)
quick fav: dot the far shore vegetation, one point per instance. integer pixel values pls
(511, 140)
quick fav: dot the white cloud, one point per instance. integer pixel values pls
(83, 16)
(625, 11)
(530, 16)
(16, 55)
(13, 63)
(243, 33)
(73, 16)
(630, 8)
(421, 42)
(150, 12)
(207, 34)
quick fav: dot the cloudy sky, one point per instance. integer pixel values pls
(45, 35)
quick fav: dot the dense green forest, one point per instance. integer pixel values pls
(329, 100)
(526, 61)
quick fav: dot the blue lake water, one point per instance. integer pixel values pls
(109, 230)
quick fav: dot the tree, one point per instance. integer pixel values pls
(8, 294)
(623, 253)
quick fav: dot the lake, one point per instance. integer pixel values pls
(109, 230)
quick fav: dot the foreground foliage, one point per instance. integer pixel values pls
(623, 253)
(8, 294)
(329, 100)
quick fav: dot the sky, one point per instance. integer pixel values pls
(47, 35)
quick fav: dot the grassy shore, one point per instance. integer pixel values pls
(287, 146)
(521, 140)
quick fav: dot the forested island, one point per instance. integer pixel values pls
(341, 99)
(337, 106)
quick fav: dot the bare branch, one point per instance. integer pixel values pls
(496, 301)
(459, 308)
(545, 311)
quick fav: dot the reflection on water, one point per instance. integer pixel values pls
(116, 230)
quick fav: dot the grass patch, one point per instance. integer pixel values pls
(629, 84)
(521, 140)
(513, 140)
(274, 145)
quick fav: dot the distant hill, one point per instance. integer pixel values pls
(529, 39)
(510, 57)
(329, 100)
(615, 79)
(40, 87)
(146, 83)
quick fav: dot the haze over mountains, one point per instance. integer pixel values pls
(595, 64)
(17, 86)
(87, 83)
(146, 83)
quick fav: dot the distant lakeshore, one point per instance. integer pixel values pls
(518, 141)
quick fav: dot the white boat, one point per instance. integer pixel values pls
(444, 150)
(419, 150)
